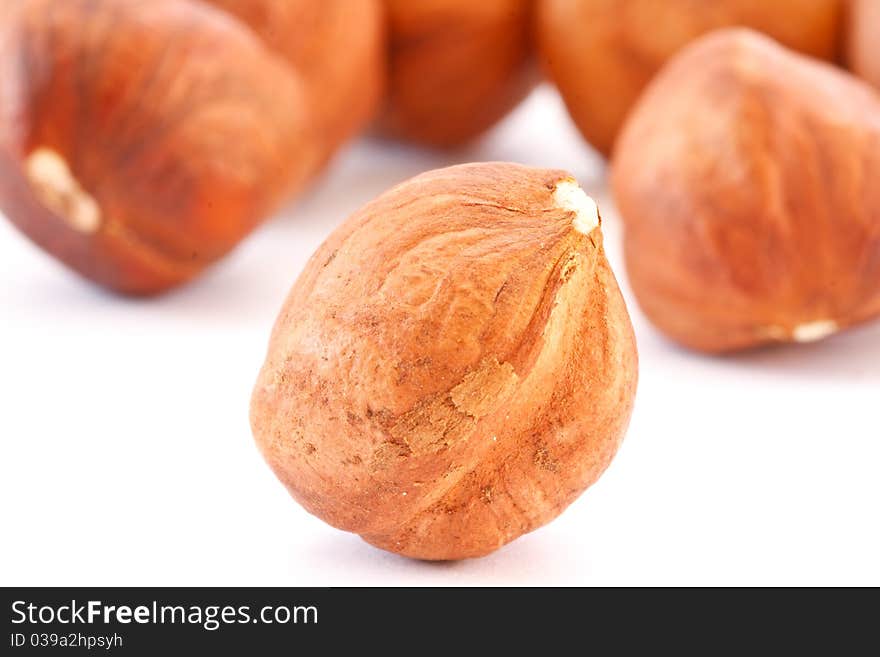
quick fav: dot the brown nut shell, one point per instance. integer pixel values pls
(602, 53)
(139, 142)
(747, 180)
(863, 39)
(453, 368)
(456, 68)
(339, 48)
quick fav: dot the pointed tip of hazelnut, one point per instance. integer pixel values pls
(569, 196)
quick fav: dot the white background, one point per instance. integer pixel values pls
(126, 456)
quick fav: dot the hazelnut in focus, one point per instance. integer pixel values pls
(139, 142)
(456, 68)
(602, 53)
(454, 366)
(338, 46)
(746, 177)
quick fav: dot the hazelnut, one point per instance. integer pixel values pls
(863, 33)
(602, 53)
(339, 48)
(139, 142)
(456, 68)
(454, 366)
(746, 178)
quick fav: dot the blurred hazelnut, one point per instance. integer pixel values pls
(456, 67)
(602, 53)
(339, 48)
(747, 180)
(863, 39)
(139, 142)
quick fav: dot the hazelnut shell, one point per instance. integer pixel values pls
(139, 142)
(456, 68)
(747, 180)
(602, 53)
(337, 46)
(454, 366)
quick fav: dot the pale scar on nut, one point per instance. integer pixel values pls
(56, 187)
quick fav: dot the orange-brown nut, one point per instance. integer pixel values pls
(602, 53)
(338, 46)
(456, 67)
(454, 366)
(747, 180)
(863, 39)
(140, 141)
